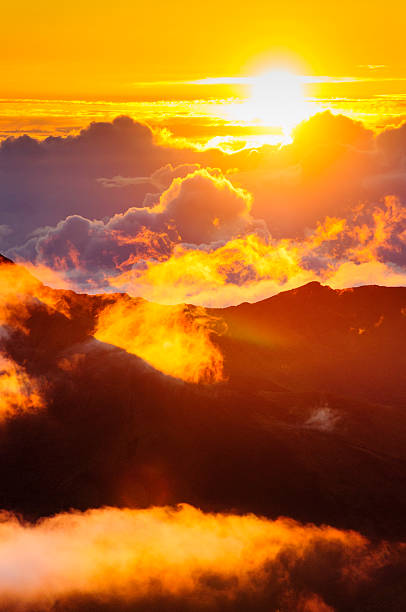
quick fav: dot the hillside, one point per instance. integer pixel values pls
(113, 430)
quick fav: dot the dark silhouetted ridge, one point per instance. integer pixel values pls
(312, 409)
(5, 260)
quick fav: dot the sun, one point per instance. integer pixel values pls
(276, 100)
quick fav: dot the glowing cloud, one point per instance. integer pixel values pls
(360, 249)
(19, 393)
(200, 237)
(19, 287)
(124, 556)
(173, 339)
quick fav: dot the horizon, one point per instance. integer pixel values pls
(135, 297)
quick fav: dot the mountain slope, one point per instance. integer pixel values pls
(115, 431)
(350, 342)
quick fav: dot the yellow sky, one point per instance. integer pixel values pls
(101, 49)
(187, 67)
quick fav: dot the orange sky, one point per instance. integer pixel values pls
(64, 65)
(100, 49)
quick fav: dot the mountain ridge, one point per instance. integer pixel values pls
(308, 288)
(305, 398)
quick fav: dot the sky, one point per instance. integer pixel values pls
(65, 65)
(101, 48)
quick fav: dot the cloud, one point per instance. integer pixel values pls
(160, 179)
(20, 290)
(201, 207)
(367, 247)
(334, 162)
(42, 182)
(173, 339)
(5, 230)
(180, 558)
(19, 393)
(201, 244)
(392, 145)
(220, 235)
(328, 131)
(323, 418)
(205, 207)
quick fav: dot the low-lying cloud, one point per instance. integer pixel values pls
(19, 392)
(200, 244)
(182, 559)
(368, 247)
(173, 339)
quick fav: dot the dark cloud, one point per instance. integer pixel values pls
(43, 182)
(328, 131)
(135, 201)
(333, 162)
(332, 165)
(160, 179)
(392, 145)
(200, 207)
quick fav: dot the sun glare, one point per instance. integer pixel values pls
(276, 100)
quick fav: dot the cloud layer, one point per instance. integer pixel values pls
(200, 244)
(180, 558)
(327, 207)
